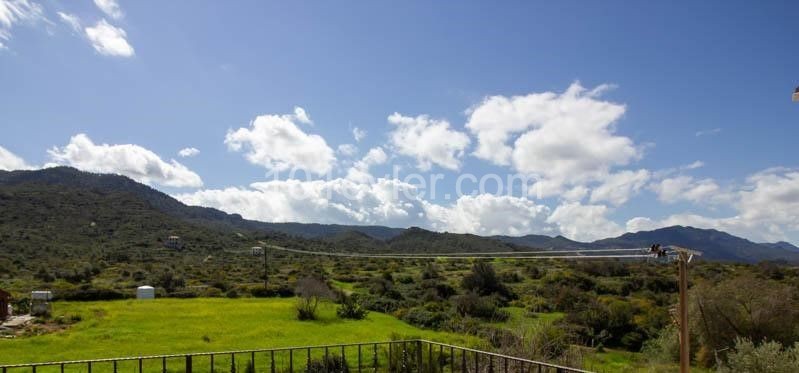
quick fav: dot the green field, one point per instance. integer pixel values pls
(169, 326)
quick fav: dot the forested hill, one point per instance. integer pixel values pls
(60, 204)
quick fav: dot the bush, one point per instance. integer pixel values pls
(310, 290)
(332, 363)
(351, 308)
(474, 305)
(91, 294)
(767, 357)
(419, 316)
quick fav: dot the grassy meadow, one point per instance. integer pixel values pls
(173, 326)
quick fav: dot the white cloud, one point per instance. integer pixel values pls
(71, 20)
(188, 152)
(276, 143)
(428, 140)
(110, 7)
(686, 188)
(358, 134)
(693, 166)
(708, 132)
(13, 12)
(9, 161)
(584, 222)
(359, 172)
(130, 160)
(338, 201)
(487, 214)
(563, 138)
(619, 187)
(302, 116)
(767, 209)
(109, 40)
(347, 149)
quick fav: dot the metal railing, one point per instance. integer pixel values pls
(403, 356)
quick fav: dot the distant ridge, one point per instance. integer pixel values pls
(716, 245)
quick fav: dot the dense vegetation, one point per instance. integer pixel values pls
(100, 243)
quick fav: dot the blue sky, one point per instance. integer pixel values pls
(624, 116)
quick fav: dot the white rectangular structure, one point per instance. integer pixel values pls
(45, 295)
(145, 292)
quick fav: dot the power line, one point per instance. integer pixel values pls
(508, 253)
(449, 256)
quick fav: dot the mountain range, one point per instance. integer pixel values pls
(88, 193)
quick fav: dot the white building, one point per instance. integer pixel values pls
(40, 302)
(145, 292)
(257, 251)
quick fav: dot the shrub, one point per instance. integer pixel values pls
(332, 363)
(767, 357)
(474, 305)
(351, 308)
(310, 290)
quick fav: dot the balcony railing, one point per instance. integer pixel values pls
(404, 356)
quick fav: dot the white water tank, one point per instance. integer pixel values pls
(145, 292)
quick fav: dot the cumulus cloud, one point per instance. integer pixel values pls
(359, 172)
(708, 132)
(686, 188)
(130, 160)
(584, 222)
(71, 20)
(566, 138)
(109, 40)
(188, 152)
(767, 209)
(427, 140)
(277, 143)
(347, 149)
(110, 8)
(358, 134)
(302, 116)
(619, 187)
(10, 161)
(488, 214)
(338, 201)
(14, 12)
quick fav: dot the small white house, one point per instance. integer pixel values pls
(42, 295)
(257, 251)
(145, 292)
(40, 302)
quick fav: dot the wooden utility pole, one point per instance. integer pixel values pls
(685, 343)
(684, 257)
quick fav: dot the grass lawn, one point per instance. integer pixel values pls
(168, 326)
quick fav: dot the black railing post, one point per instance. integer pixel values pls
(212, 363)
(359, 358)
(491, 363)
(188, 363)
(506, 365)
(272, 361)
(163, 365)
(419, 365)
(430, 357)
(291, 361)
(115, 366)
(33, 369)
(374, 357)
(90, 367)
(463, 361)
(476, 362)
(233, 363)
(327, 356)
(140, 365)
(390, 355)
(62, 368)
(308, 362)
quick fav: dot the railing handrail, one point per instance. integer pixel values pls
(193, 354)
(559, 368)
(548, 365)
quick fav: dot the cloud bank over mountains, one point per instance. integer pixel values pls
(571, 171)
